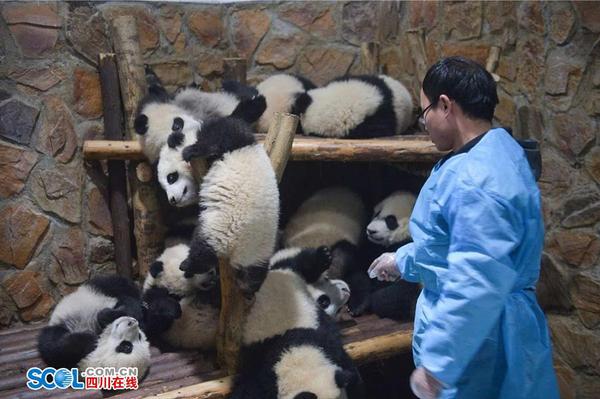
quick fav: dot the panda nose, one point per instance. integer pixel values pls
(172, 200)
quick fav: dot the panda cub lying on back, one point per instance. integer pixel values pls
(355, 107)
(239, 203)
(98, 325)
(290, 348)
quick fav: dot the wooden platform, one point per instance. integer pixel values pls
(414, 148)
(186, 374)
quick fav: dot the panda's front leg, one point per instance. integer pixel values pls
(202, 258)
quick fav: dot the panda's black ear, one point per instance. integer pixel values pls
(177, 124)
(156, 268)
(343, 378)
(141, 124)
(175, 139)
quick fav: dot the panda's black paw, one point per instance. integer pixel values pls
(250, 278)
(323, 257)
(190, 152)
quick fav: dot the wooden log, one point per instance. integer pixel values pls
(369, 58)
(234, 307)
(117, 175)
(279, 139)
(148, 226)
(418, 149)
(362, 352)
(492, 62)
(234, 69)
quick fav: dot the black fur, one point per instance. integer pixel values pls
(250, 110)
(396, 301)
(218, 137)
(250, 278)
(124, 347)
(60, 348)
(240, 90)
(175, 139)
(301, 104)
(310, 263)
(156, 90)
(177, 124)
(202, 257)
(156, 268)
(160, 310)
(140, 124)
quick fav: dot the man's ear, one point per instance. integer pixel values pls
(445, 102)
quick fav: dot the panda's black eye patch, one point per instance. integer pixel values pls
(177, 124)
(391, 222)
(156, 268)
(141, 124)
(172, 177)
(175, 139)
(324, 301)
(125, 347)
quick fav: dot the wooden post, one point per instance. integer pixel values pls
(117, 175)
(234, 307)
(148, 227)
(492, 62)
(234, 69)
(369, 58)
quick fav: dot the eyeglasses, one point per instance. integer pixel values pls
(421, 117)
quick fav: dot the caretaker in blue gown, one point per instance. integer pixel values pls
(477, 235)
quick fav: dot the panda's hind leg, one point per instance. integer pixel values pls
(60, 348)
(250, 278)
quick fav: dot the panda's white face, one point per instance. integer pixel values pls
(121, 344)
(330, 295)
(389, 225)
(176, 178)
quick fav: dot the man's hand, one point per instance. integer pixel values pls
(424, 385)
(384, 268)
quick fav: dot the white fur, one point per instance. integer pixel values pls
(337, 291)
(240, 202)
(160, 126)
(280, 92)
(339, 107)
(184, 191)
(403, 105)
(399, 204)
(172, 278)
(305, 368)
(282, 303)
(330, 215)
(79, 310)
(204, 105)
(105, 355)
(196, 328)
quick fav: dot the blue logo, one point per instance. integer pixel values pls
(51, 378)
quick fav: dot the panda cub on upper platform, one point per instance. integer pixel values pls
(290, 348)
(98, 325)
(355, 107)
(239, 203)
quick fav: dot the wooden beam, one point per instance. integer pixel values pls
(234, 307)
(362, 352)
(417, 149)
(117, 175)
(369, 58)
(148, 226)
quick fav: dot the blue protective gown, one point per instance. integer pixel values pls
(477, 240)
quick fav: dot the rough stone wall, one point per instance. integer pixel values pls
(55, 227)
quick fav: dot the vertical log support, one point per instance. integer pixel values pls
(148, 227)
(369, 58)
(234, 308)
(117, 175)
(234, 69)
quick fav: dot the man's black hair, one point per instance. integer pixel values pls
(464, 81)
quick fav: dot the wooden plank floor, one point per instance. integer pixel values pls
(169, 371)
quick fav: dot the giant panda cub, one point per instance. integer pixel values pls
(290, 348)
(98, 325)
(280, 92)
(239, 203)
(181, 310)
(335, 217)
(388, 231)
(355, 107)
